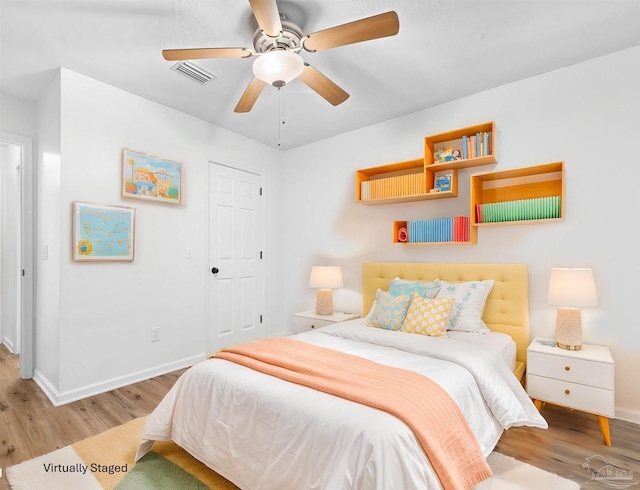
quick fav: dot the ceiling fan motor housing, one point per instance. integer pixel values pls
(289, 39)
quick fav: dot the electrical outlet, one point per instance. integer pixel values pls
(155, 334)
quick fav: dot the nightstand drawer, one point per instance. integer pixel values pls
(582, 371)
(573, 395)
(301, 324)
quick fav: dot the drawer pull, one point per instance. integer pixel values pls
(567, 368)
(567, 392)
(313, 326)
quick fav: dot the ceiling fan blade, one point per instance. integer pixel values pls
(267, 15)
(322, 85)
(250, 95)
(381, 25)
(204, 53)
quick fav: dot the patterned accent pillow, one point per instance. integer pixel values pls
(425, 289)
(471, 297)
(428, 316)
(389, 311)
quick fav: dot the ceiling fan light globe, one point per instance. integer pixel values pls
(278, 68)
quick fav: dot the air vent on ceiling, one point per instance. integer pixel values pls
(194, 72)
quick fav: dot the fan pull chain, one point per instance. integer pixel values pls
(280, 114)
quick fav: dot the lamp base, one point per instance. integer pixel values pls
(324, 302)
(569, 328)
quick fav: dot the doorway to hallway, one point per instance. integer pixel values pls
(17, 265)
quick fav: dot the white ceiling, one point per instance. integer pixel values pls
(445, 50)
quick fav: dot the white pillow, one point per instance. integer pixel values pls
(471, 297)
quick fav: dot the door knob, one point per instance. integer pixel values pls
(215, 270)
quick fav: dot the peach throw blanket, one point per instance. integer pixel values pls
(421, 403)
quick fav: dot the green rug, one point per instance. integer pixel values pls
(155, 471)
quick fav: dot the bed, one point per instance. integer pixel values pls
(263, 432)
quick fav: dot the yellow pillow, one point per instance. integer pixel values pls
(428, 316)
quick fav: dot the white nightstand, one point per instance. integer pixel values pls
(308, 320)
(582, 379)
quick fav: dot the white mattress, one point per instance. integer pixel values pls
(497, 342)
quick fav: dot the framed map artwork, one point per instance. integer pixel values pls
(103, 233)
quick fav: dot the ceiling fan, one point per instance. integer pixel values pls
(276, 46)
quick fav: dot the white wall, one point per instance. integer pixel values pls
(17, 116)
(587, 115)
(47, 334)
(101, 314)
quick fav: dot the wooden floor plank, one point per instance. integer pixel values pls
(571, 437)
(30, 426)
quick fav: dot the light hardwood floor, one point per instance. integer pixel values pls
(30, 426)
(571, 437)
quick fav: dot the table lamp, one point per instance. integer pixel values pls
(570, 290)
(324, 278)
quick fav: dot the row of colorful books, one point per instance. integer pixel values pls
(476, 145)
(454, 229)
(520, 210)
(395, 186)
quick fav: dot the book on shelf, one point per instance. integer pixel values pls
(439, 230)
(461, 229)
(519, 210)
(479, 213)
(394, 186)
(483, 144)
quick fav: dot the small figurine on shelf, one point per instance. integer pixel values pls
(454, 156)
(446, 154)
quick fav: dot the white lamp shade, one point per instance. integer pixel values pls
(574, 288)
(325, 277)
(278, 68)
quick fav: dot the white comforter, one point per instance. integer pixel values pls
(264, 433)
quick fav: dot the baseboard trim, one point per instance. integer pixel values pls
(628, 416)
(62, 398)
(9, 345)
(46, 386)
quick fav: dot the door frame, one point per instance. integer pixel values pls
(27, 251)
(209, 341)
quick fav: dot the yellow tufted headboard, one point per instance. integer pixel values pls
(507, 307)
